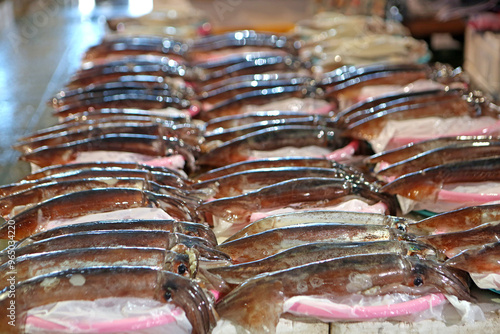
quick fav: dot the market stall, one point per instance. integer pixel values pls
(237, 166)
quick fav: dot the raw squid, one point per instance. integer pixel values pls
(118, 238)
(104, 282)
(293, 77)
(203, 47)
(137, 46)
(154, 146)
(315, 252)
(350, 88)
(25, 199)
(233, 133)
(96, 114)
(360, 115)
(187, 228)
(36, 218)
(272, 163)
(89, 171)
(320, 216)
(272, 138)
(263, 296)
(379, 103)
(242, 182)
(143, 83)
(453, 243)
(460, 151)
(413, 149)
(425, 184)
(369, 127)
(187, 133)
(227, 214)
(457, 220)
(130, 100)
(482, 260)
(250, 64)
(273, 241)
(31, 265)
(225, 123)
(234, 105)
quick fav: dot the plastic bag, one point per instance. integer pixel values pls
(397, 133)
(486, 281)
(455, 196)
(108, 315)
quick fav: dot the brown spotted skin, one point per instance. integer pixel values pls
(187, 228)
(320, 216)
(314, 252)
(265, 163)
(391, 100)
(457, 220)
(143, 144)
(482, 260)
(405, 152)
(261, 245)
(32, 265)
(118, 238)
(73, 205)
(448, 154)
(453, 243)
(369, 127)
(268, 139)
(424, 184)
(106, 282)
(242, 182)
(34, 195)
(312, 192)
(167, 179)
(263, 296)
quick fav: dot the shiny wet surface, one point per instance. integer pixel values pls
(38, 53)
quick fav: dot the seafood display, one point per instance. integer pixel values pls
(238, 178)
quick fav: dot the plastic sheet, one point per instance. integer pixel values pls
(455, 196)
(487, 280)
(399, 133)
(109, 315)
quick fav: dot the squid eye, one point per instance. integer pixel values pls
(401, 227)
(182, 269)
(168, 295)
(418, 281)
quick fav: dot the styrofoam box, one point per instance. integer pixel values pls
(482, 59)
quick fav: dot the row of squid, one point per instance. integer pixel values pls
(223, 177)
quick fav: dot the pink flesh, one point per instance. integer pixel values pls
(323, 110)
(193, 110)
(175, 161)
(333, 311)
(467, 198)
(344, 153)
